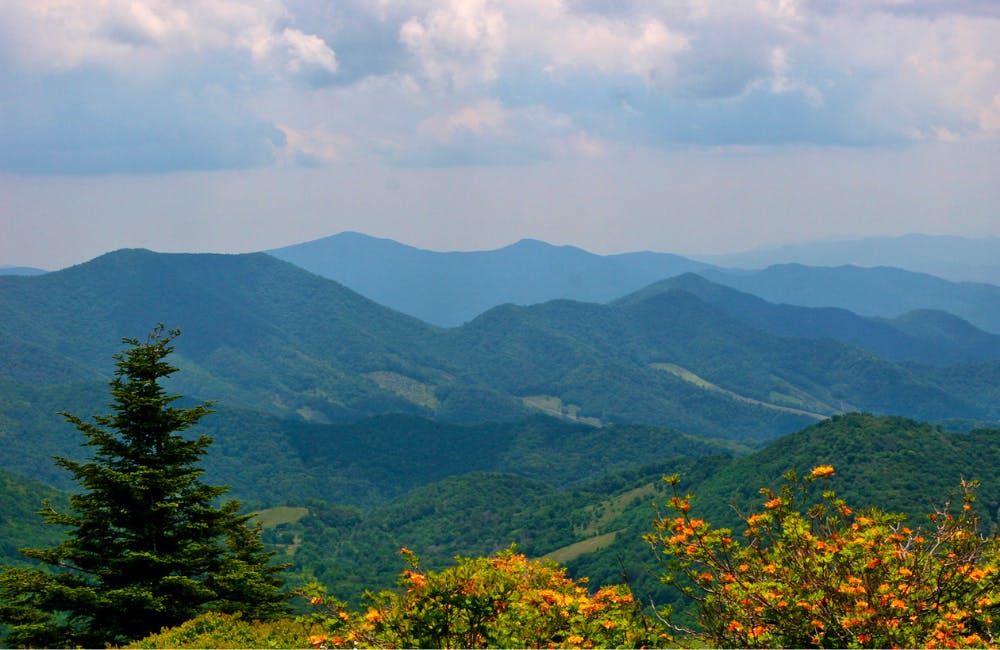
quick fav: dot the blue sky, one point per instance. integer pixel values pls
(680, 126)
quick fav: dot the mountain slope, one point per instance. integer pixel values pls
(959, 259)
(449, 289)
(882, 291)
(265, 335)
(925, 336)
(261, 333)
(897, 464)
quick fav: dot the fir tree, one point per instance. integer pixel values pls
(146, 546)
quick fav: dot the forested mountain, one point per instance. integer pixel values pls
(880, 291)
(20, 526)
(20, 270)
(896, 463)
(449, 289)
(925, 336)
(264, 335)
(596, 527)
(960, 259)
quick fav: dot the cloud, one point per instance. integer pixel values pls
(163, 85)
(456, 45)
(297, 55)
(488, 133)
(314, 148)
(443, 80)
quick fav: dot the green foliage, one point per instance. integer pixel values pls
(19, 526)
(812, 572)
(145, 546)
(215, 630)
(505, 601)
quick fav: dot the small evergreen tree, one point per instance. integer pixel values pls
(146, 545)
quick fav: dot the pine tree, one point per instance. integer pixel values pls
(146, 545)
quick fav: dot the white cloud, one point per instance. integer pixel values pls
(458, 44)
(310, 148)
(133, 39)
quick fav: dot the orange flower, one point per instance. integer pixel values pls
(773, 503)
(822, 470)
(417, 579)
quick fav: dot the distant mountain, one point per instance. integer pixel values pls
(881, 291)
(448, 289)
(953, 258)
(925, 336)
(21, 270)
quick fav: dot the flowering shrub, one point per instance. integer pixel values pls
(502, 601)
(812, 572)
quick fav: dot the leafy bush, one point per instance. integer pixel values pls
(214, 630)
(813, 572)
(502, 601)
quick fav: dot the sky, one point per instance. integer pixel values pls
(684, 126)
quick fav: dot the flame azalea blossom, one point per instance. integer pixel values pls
(812, 571)
(502, 601)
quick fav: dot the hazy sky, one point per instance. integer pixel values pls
(677, 126)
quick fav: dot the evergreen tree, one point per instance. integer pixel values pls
(146, 545)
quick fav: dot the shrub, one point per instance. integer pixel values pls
(215, 630)
(502, 601)
(813, 572)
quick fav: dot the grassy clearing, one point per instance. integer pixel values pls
(608, 510)
(272, 517)
(700, 382)
(408, 388)
(573, 551)
(554, 406)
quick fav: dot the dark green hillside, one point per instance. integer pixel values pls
(20, 525)
(474, 514)
(261, 333)
(894, 463)
(597, 362)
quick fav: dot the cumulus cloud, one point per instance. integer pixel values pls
(128, 86)
(531, 78)
(487, 132)
(458, 44)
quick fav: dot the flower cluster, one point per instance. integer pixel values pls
(502, 601)
(819, 574)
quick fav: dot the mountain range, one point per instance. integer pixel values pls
(961, 259)
(449, 289)
(546, 423)
(266, 335)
